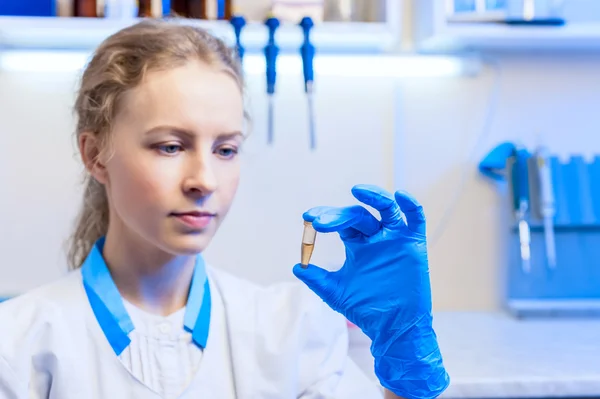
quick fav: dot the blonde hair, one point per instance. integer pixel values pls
(118, 65)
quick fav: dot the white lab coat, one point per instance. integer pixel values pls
(284, 342)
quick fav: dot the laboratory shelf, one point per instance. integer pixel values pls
(50, 33)
(491, 36)
(437, 32)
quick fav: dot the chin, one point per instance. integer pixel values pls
(188, 244)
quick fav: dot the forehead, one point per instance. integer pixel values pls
(194, 96)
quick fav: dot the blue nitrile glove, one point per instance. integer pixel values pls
(383, 287)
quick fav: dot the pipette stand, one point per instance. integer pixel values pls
(572, 288)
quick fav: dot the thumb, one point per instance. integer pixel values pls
(318, 280)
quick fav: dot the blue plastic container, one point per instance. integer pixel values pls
(29, 8)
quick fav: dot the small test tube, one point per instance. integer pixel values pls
(308, 243)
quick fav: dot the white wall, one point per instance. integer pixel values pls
(437, 124)
(260, 239)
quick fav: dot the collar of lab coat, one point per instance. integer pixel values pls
(108, 307)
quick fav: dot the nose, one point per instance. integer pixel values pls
(200, 179)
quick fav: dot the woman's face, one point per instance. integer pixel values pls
(174, 169)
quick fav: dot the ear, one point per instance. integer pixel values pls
(90, 150)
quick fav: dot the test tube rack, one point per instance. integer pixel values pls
(572, 288)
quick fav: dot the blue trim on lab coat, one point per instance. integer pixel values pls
(109, 309)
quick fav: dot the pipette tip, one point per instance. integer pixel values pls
(270, 117)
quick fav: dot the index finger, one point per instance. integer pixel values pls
(355, 217)
(381, 200)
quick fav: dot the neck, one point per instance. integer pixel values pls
(146, 276)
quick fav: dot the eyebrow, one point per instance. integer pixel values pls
(231, 135)
(190, 135)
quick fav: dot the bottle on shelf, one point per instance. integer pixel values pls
(64, 8)
(144, 8)
(153, 8)
(159, 8)
(224, 9)
(86, 8)
(202, 9)
(197, 9)
(180, 8)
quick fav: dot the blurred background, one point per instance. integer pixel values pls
(408, 95)
(486, 110)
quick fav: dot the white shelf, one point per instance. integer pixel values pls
(489, 36)
(433, 33)
(86, 33)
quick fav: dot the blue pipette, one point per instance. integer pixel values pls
(307, 50)
(520, 187)
(271, 52)
(238, 22)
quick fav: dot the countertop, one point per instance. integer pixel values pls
(494, 355)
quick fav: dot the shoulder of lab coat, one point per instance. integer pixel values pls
(32, 323)
(292, 328)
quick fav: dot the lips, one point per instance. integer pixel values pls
(195, 219)
(194, 214)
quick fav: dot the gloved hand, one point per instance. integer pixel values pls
(383, 287)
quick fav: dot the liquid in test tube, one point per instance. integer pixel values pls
(308, 243)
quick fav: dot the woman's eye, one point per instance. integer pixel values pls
(170, 149)
(227, 152)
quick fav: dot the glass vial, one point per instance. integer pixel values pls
(308, 243)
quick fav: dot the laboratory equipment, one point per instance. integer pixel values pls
(224, 9)
(166, 8)
(564, 226)
(145, 8)
(151, 8)
(86, 8)
(238, 22)
(29, 8)
(180, 7)
(271, 51)
(64, 8)
(383, 287)
(307, 51)
(520, 192)
(197, 9)
(514, 12)
(546, 205)
(534, 12)
(308, 243)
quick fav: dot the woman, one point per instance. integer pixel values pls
(160, 124)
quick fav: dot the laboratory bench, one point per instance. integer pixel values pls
(495, 355)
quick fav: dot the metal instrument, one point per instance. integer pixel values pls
(547, 204)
